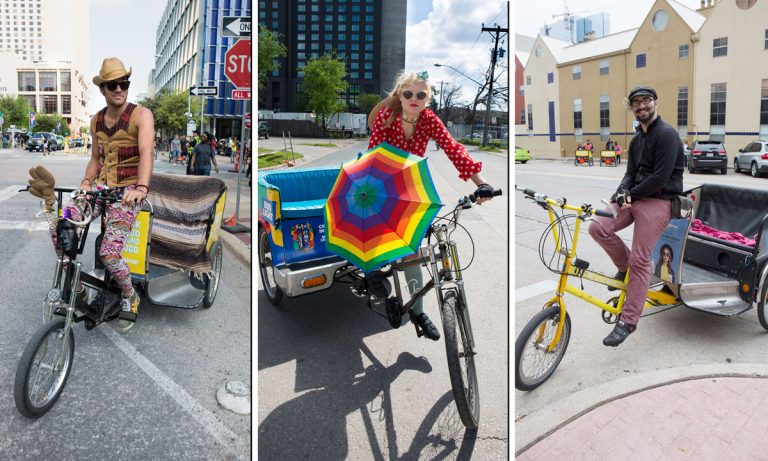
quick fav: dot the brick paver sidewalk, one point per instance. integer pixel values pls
(703, 419)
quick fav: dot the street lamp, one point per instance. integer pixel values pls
(457, 70)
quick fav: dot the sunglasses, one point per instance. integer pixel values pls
(421, 95)
(123, 84)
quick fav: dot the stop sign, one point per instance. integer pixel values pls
(237, 65)
(248, 120)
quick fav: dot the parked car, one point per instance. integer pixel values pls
(710, 155)
(37, 140)
(522, 155)
(264, 129)
(753, 157)
(76, 142)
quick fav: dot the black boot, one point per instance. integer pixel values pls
(428, 328)
(619, 276)
(619, 333)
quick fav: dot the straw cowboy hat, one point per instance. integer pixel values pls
(111, 69)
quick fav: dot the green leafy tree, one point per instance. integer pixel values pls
(368, 101)
(323, 83)
(270, 49)
(48, 122)
(169, 110)
(15, 111)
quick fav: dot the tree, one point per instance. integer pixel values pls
(368, 101)
(270, 49)
(170, 111)
(15, 110)
(450, 96)
(323, 83)
(48, 123)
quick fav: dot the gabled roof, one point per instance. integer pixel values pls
(522, 56)
(555, 46)
(693, 18)
(619, 41)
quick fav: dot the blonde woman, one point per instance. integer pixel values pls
(403, 120)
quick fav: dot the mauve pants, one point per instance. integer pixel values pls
(651, 216)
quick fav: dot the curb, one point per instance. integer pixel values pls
(236, 247)
(536, 426)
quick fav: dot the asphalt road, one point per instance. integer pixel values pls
(665, 339)
(147, 394)
(337, 382)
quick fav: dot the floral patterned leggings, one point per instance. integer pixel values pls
(119, 221)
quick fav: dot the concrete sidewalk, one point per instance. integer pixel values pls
(699, 412)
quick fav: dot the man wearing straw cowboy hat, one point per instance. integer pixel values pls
(121, 157)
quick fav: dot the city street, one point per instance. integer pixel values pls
(147, 394)
(335, 381)
(666, 341)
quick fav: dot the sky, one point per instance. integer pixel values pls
(531, 15)
(134, 44)
(449, 32)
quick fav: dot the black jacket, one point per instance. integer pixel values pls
(655, 163)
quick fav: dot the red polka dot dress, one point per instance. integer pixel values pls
(428, 126)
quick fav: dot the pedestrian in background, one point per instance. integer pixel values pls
(203, 156)
(184, 150)
(175, 150)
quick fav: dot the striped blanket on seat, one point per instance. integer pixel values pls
(183, 207)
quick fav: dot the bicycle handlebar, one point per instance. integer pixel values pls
(587, 208)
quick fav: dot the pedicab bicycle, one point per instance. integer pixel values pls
(609, 158)
(705, 260)
(583, 158)
(172, 251)
(322, 226)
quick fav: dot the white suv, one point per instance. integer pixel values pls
(754, 158)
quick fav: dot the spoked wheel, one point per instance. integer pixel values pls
(762, 307)
(534, 364)
(274, 293)
(461, 361)
(212, 281)
(43, 369)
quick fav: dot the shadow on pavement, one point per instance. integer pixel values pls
(324, 334)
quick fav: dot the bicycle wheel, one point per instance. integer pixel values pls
(212, 285)
(461, 362)
(533, 363)
(274, 293)
(44, 368)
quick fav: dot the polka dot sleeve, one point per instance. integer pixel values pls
(456, 152)
(378, 135)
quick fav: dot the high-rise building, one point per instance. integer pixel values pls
(190, 51)
(576, 29)
(368, 34)
(50, 40)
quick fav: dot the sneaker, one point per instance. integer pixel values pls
(428, 328)
(619, 276)
(129, 312)
(619, 333)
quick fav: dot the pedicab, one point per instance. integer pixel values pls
(609, 158)
(583, 158)
(317, 228)
(712, 258)
(175, 259)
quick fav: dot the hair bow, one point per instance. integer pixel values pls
(423, 75)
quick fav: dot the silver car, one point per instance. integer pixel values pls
(754, 157)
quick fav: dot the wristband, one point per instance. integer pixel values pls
(145, 188)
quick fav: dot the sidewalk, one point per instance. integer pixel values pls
(704, 418)
(310, 153)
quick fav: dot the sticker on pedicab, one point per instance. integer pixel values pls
(268, 211)
(666, 256)
(321, 232)
(303, 236)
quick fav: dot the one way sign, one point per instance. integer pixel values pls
(204, 91)
(235, 26)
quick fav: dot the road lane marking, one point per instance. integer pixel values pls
(226, 437)
(24, 225)
(9, 192)
(530, 291)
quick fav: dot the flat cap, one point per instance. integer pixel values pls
(642, 91)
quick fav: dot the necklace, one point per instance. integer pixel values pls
(406, 119)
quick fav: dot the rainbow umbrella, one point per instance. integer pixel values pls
(380, 207)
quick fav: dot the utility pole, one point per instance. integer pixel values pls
(497, 32)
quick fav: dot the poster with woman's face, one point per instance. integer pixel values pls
(666, 256)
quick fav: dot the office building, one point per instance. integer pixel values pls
(576, 29)
(190, 51)
(369, 35)
(50, 41)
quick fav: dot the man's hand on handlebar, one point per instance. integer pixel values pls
(134, 196)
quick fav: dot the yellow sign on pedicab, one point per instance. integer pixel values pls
(135, 248)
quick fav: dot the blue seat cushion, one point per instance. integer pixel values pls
(302, 185)
(303, 209)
